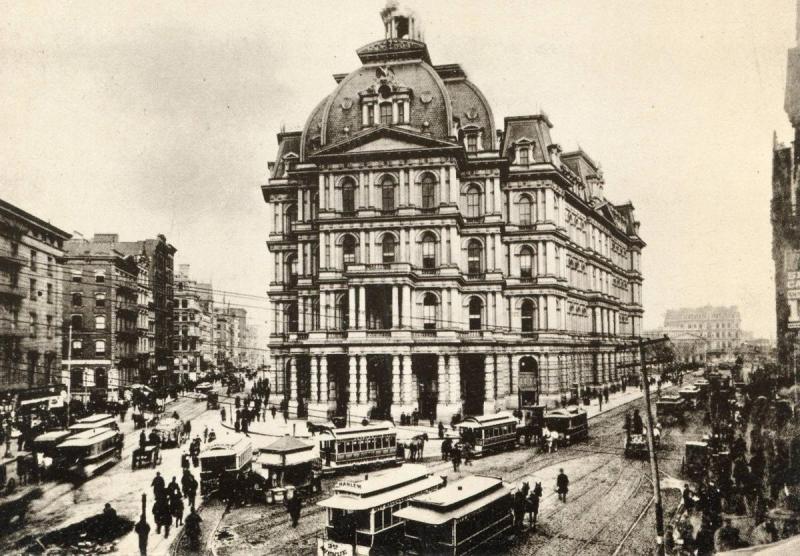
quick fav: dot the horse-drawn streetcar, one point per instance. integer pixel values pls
(571, 424)
(362, 512)
(461, 518)
(224, 458)
(489, 433)
(371, 444)
(89, 452)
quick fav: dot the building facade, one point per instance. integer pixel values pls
(31, 289)
(160, 257)
(424, 260)
(703, 332)
(193, 334)
(785, 217)
(101, 319)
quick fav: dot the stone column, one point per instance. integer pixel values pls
(395, 307)
(498, 198)
(406, 322)
(405, 370)
(301, 314)
(396, 381)
(441, 377)
(351, 302)
(370, 187)
(362, 387)
(503, 380)
(455, 379)
(293, 382)
(314, 379)
(454, 193)
(324, 387)
(489, 391)
(353, 381)
(362, 306)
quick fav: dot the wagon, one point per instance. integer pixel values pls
(9, 474)
(670, 409)
(170, 431)
(571, 424)
(695, 460)
(147, 456)
(635, 446)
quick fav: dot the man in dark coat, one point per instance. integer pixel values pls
(637, 425)
(688, 501)
(142, 439)
(158, 485)
(293, 506)
(142, 530)
(562, 485)
(193, 529)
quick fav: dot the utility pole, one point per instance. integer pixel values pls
(69, 370)
(651, 448)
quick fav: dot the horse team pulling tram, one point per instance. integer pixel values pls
(461, 518)
(361, 514)
(362, 446)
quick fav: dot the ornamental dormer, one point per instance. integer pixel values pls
(385, 102)
(523, 152)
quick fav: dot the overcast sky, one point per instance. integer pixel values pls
(160, 117)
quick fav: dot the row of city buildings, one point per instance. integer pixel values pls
(424, 259)
(102, 313)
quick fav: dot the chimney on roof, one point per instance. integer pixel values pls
(106, 238)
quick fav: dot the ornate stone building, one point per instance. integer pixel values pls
(424, 260)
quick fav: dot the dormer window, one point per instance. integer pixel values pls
(523, 156)
(386, 113)
(401, 112)
(472, 142)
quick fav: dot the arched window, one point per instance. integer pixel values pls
(387, 194)
(291, 317)
(475, 313)
(389, 248)
(77, 299)
(474, 256)
(429, 251)
(349, 248)
(474, 201)
(386, 113)
(523, 155)
(291, 270)
(348, 196)
(99, 347)
(428, 186)
(100, 322)
(342, 312)
(77, 322)
(290, 219)
(76, 378)
(526, 262)
(430, 305)
(527, 315)
(525, 211)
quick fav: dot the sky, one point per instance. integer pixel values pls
(143, 118)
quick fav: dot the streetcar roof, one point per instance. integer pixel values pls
(87, 438)
(87, 424)
(565, 412)
(502, 418)
(95, 418)
(220, 448)
(356, 432)
(454, 501)
(51, 436)
(381, 488)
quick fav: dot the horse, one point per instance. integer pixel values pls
(416, 446)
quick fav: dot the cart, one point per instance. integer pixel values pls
(9, 474)
(147, 456)
(170, 431)
(635, 446)
(669, 409)
(695, 460)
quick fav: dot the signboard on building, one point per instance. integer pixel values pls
(527, 381)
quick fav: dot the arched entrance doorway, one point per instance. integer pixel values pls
(101, 378)
(528, 383)
(379, 380)
(425, 369)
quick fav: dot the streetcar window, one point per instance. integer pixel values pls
(364, 445)
(371, 444)
(378, 520)
(340, 447)
(391, 441)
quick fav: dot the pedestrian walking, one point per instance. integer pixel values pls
(273, 411)
(176, 509)
(158, 485)
(222, 413)
(193, 529)
(205, 435)
(293, 506)
(142, 530)
(562, 485)
(173, 488)
(161, 515)
(142, 439)
(456, 457)
(441, 430)
(447, 446)
(286, 416)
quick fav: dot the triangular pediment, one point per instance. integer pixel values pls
(384, 139)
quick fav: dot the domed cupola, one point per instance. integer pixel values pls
(398, 90)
